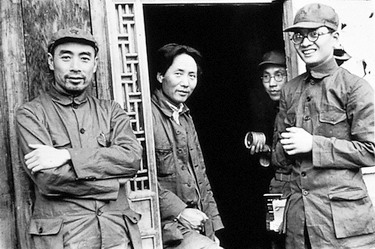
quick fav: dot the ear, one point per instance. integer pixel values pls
(95, 63)
(160, 77)
(336, 36)
(50, 61)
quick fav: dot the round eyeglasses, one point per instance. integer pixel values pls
(278, 77)
(312, 36)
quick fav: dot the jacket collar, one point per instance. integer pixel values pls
(161, 101)
(325, 69)
(66, 99)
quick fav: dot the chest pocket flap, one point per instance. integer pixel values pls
(45, 226)
(347, 195)
(332, 116)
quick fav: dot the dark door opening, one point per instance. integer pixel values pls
(227, 102)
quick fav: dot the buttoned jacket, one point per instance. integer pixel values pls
(328, 194)
(90, 187)
(180, 165)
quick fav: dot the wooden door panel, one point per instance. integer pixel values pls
(131, 90)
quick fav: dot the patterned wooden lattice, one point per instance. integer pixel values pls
(131, 90)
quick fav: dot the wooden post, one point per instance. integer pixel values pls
(14, 205)
(42, 18)
(100, 32)
(290, 52)
(26, 27)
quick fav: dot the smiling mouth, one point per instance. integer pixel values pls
(308, 52)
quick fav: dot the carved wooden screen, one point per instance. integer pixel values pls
(131, 90)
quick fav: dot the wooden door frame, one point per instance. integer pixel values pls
(110, 42)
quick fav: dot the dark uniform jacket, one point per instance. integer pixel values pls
(180, 166)
(83, 203)
(328, 194)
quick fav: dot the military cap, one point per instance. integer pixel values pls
(72, 34)
(313, 16)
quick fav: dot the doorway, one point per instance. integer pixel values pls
(227, 101)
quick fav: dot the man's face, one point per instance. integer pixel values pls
(74, 65)
(319, 51)
(273, 79)
(180, 79)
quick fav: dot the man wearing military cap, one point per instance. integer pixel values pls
(274, 77)
(329, 118)
(79, 152)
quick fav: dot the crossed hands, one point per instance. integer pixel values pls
(296, 140)
(194, 219)
(45, 157)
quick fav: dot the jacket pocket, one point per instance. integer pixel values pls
(333, 122)
(332, 117)
(131, 219)
(60, 141)
(134, 217)
(164, 162)
(46, 233)
(352, 213)
(172, 234)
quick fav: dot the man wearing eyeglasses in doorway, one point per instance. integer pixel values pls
(273, 76)
(329, 118)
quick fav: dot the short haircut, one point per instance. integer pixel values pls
(168, 52)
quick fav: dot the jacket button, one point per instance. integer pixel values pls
(82, 131)
(40, 230)
(133, 219)
(305, 192)
(303, 174)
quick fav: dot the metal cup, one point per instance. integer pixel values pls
(252, 138)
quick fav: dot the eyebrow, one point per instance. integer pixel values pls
(70, 52)
(280, 71)
(185, 71)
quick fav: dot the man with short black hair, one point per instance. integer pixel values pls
(188, 209)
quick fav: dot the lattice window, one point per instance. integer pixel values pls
(127, 51)
(130, 73)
